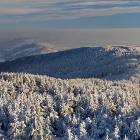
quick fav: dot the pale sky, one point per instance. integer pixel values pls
(69, 13)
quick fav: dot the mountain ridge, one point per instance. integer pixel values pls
(82, 62)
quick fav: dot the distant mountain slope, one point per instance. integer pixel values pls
(24, 50)
(79, 63)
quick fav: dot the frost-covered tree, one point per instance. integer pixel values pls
(42, 107)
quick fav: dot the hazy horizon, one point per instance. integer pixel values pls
(73, 38)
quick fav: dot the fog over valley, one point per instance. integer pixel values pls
(75, 37)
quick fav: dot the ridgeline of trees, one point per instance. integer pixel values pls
(84, 62)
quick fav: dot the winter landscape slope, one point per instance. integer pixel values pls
(11, 49)
(93, 93)
(83, 62)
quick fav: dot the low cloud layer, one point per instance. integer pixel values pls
(44, 10)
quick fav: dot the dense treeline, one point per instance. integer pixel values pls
(39, 107)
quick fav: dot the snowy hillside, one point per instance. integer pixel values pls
(90, 93)
(11, 49)
(44, 108)
(83, 62)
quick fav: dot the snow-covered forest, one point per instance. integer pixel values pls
(83, 62)
(39, 107)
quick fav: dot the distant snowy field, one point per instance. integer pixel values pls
(88, 93)
(11, 49)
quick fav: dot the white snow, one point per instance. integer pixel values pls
(21, 47)
(40, 107)
(43, 108)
